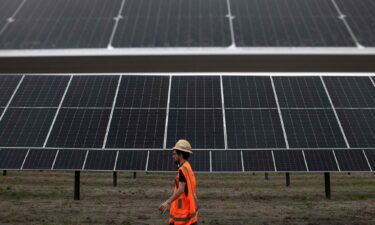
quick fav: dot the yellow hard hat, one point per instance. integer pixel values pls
(183, 145)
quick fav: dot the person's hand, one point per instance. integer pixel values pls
(163, 207)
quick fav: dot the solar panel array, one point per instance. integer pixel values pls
(234, 123)
(60, 24)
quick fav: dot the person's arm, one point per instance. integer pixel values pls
(181, 188)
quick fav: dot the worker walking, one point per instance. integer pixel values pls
(183, 202)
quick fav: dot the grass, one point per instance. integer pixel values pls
(47, 198)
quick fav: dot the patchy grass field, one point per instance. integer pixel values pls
(47, 198)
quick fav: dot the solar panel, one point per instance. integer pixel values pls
(12, 158)
(25, 127)
(359, 126)
(352, 92)
(172, 23)
(248, 92)
(195, 92)
(226, 161)
(370, 154)
(8, 7)
(161, 161)
(289, 160)
(132, 160)
(320, 160)
(312, 128)
(143, 91)
(258, 160)
(351, 160)
(254, 128)
(79, 128)
(288, 23)
(68, 159)
(200, 161)
(40, 91)
(100, 160)
(202, 127)
(8, 84)
(301, 92)
(361, 19)
(40, 159)
(91, 91)
(61, 24)
(137, 128)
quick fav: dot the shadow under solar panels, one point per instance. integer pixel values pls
(258, 160)
(12, 158)
(68, 159)
(40, 159)
(226, 161)
(100, 160)
(289, 160)
(132, 160)
(351, 160)
(320, 160)
(161, 161)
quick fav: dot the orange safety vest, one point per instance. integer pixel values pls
(184, 210)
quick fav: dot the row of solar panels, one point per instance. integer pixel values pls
(58, 24)
(212, 112)
(201, 160)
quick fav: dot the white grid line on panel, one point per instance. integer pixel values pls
(279, 110)
(337, 162)
(117, 20)
(243, 167)
(368, 162)
(11, 18)
(24, 160)
(304, 158)
(111, 115)
(114, 166)
(230, 18)
(57, 111)
(54, 160)
(274, 162)
(334, 111)
(167, 114)
(223, 111)
(372, 81)
(148, 156)
(84, 162)
(11, 98)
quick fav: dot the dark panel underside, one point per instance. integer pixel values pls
(351, 160)
(100, 160)
(320, 160)
(12, 158)
(39, 159)
(70, 159)
(289, 160)
(131, 160)
(258, 160)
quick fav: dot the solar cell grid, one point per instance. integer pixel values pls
(202, 127)
(70, 159)
(42, 24)
(79, 128)
(100, 160)
(301, 92)
(39, 159)
(226, 161)
(288, 23)
(312, 128)
(21, 127)
(289, 160)
(8, 7)
(370, 154)
(254, 128)
(320, 160)
(173, 23)
(351, 92)
(132, 160)
(8, 84)
(143, 91)
(351, 160)
(359, 126)
(40, 91)
(258, 160)
(195, 92)
(91, 91)
(137, 128)
(12, 158)
(161, 161)
(248, 92)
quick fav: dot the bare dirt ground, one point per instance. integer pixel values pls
(47, 198)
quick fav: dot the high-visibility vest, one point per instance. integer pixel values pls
(184, 210)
